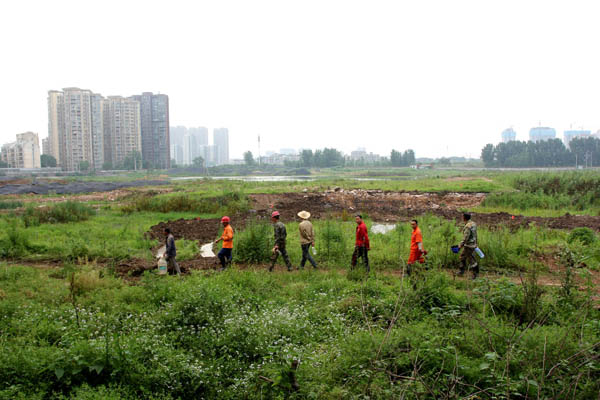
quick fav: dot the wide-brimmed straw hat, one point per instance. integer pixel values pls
(304, 214)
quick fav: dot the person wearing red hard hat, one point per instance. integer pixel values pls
(362, 245)
(280, 238)
(225, 254)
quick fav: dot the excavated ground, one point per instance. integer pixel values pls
(380, 206)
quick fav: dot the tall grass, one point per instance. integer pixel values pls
(10, 205)
(69, 211)
(229, 202)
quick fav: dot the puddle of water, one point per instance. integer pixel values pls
(382, 228)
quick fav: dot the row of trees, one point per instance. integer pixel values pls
(549, 153)
(405, 159)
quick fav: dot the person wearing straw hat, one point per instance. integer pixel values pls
(468, 246)
(307, 238)
(280, 239)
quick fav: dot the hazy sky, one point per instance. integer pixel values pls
(440, 77)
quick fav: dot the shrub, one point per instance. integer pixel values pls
(186, 249)
(9, 205)
(69, 211)
(332, 243)
(253, 244)
(16, 243)
(584, 235)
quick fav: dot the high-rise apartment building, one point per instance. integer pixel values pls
(45, 146)
(55, 123)
(154, 121)
(122, 131)
(221, 141)
(97, 109)
(541, 133)
(76, 144)
(509, 135)
(201, 135)
(575, 133)
(24, 153)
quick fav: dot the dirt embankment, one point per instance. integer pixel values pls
(383, 206)
(380, 206)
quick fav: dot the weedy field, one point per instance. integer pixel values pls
(84, 315)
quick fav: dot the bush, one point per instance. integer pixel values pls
(69, 211)
(332, 243)
(10, 205)
(254, 244)
(584, 235)
(16, 243)
(230, 202)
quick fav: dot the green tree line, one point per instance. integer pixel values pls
(549, 153)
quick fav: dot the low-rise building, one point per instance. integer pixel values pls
(24, 153)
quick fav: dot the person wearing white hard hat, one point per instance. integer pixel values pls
(307, 238)
(280, 239)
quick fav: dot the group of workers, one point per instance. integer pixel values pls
(361, 245)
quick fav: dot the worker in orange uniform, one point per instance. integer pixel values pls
(225, 254)
(417, 252)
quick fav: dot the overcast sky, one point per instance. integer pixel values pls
(440, 77)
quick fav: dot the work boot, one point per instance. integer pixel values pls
(475, 270)
(408, 270)
(271, 268)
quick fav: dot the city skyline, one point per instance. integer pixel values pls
(89, 131)
(442, 78)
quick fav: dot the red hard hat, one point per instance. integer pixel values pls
(275, 214)
(225, 219)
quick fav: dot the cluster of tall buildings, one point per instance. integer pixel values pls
(85, 128)
(187, 144)
(542, 133)
(24, 153)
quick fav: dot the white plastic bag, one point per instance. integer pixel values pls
(206, 250)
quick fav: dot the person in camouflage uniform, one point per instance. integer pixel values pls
(280, 237)
(468, 246)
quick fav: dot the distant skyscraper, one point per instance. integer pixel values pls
(55, 124)
(24, 153)
(76, 136)
(201, 135)
(122, 132)
(45, 146)
(176, 134)
(221, 141)
(541, 133)
(508, 135)
(575, 133)
(154, 120)
(209, 154)
(97, 104)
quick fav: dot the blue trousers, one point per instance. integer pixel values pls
(225, 256)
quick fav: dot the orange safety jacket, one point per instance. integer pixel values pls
(227, 237)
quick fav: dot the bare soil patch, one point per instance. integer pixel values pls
(380, 206)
